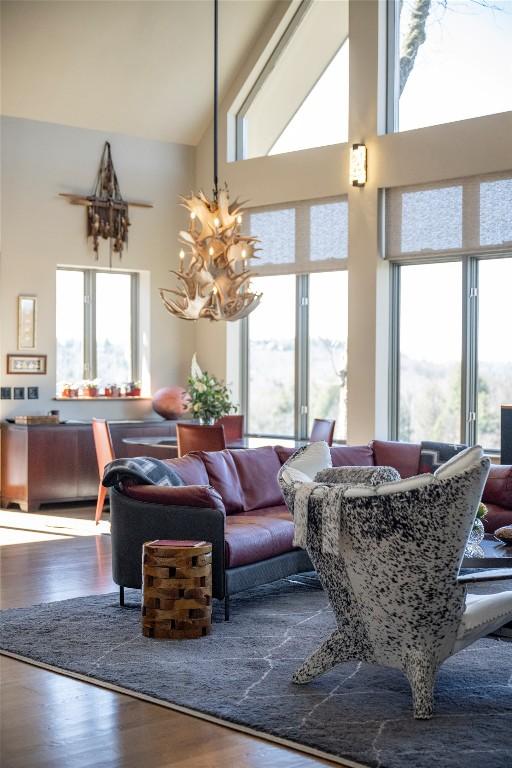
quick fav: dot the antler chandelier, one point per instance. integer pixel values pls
(213, 277)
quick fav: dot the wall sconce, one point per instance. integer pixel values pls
(358, 165)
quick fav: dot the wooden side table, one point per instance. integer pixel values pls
(176, 589)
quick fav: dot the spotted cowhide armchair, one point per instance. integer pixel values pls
(388, 556)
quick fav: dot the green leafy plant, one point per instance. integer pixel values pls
(208, 398)
(481, 512)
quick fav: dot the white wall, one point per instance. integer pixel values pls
(465, 148)
(41, 229)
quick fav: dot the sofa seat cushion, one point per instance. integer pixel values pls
(190, 468)
(177, 496)
(252, 538)
(257, 470)
(352, 456)
(404, 457)
(496, 517)
(280, 510)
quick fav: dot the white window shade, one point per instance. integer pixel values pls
(470, 216)
(309, 236)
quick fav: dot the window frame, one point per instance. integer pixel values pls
(240, 143)
(391, 102)
(302, 361)
(469, 343)
(392, 68)
(89, 367)
(240, 118)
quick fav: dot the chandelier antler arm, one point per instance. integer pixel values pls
(173, 308)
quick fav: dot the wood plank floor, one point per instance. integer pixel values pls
(51, 721)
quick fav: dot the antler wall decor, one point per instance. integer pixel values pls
(107, 211)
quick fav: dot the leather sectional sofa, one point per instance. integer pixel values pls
(232, 499)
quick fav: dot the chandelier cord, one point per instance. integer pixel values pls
(215, 97)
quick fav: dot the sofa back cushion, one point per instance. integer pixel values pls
(223, 475)
(352, 456)
(434, 455)
(190, 468)
(177, 496)
(498, 488)
(404, 457)
(257, 470)
(284, 453)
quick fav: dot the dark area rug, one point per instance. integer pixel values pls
(241, 674)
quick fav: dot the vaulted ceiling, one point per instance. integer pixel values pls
(143, 68)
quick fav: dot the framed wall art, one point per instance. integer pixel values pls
(26, 364)
(27, 322)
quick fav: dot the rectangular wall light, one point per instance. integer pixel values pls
(358, 165)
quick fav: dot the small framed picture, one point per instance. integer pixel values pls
(19, 393)
(26, 364)
(27, 322)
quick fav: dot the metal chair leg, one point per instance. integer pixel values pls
(121, 596)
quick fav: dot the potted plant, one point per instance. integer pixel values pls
(66, 390)
(90, 388)
(209, 398)
(133, 389)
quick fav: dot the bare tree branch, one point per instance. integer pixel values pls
(416, 33)
(414, 37)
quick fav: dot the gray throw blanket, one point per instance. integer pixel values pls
(143, 470)
(331, 498)
(329, 488)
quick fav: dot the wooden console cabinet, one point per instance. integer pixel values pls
(44, 464)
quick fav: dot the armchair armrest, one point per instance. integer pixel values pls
(132, 522)
(494, 574)
(357, 475)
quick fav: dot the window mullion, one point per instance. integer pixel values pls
(302, 257)
(394, 353)
(90, 366)
(392, 68)
(244, 370)
(301, 357)
(134, 319)
(469, 377)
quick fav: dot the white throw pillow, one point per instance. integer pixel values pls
(291, 475)
(310, 460)
(459, 463)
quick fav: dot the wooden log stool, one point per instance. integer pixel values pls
(176, 589)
